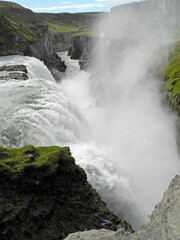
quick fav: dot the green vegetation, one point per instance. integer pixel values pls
(16, 159)
(14, 37)
(172, 80)
(54, 27)
(23, 31)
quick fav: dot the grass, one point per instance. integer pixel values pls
(23, 31)
(54, 27)
(17, 159)
(87, 34)
(172, 80)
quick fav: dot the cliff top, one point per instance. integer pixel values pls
(17, 159)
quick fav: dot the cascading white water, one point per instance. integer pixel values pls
(36, 111)
(114, 122)
(131, 154)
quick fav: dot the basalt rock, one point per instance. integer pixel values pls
(44, 195)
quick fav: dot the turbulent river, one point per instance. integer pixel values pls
(129, 152)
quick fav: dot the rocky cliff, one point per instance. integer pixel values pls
(44, 195)
(164, 223)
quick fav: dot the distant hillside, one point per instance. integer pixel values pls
(40, 34)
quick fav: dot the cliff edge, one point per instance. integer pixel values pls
(44, 195)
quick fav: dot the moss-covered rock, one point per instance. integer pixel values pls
(45, 195)
(172, 80)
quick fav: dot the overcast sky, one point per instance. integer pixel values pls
(56, 6)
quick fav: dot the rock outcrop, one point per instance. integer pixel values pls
(79, 45)
(56, 66)
(82, 49)
(44, 195)
(18, 72)
(164, 223)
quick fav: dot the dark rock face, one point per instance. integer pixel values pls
(79, 44)
(82, 49)
(56, 66)
(45, 196)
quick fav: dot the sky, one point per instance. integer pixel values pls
(73, 6)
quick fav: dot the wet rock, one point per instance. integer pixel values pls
(56, 66)
(11, 68)
(18, 76)
(44, 195)
(18, 72)
(79, 44)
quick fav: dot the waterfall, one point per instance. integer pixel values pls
(113, 119)
(36, 111)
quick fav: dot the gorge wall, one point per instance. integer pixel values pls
(40, 35)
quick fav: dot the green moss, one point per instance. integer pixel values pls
(15, 160)
(87, 34)
(171, 74)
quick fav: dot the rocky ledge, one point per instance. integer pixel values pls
(18, 72)
(44, 195)
(164, 223)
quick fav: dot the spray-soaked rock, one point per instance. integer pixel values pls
(18, 72)
(11, 68)
(164, 223)
(56, 66)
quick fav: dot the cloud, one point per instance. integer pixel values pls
(84, 6)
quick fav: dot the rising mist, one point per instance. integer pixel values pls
(133, 152)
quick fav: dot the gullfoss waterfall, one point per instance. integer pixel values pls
(113, 119)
